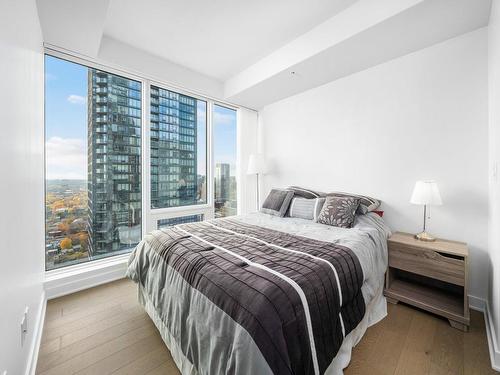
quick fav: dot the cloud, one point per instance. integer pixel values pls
(76, 99)
(66, 158)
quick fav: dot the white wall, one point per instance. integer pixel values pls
(494, 160)
(247, 145)
(21, 171)
(421, 116)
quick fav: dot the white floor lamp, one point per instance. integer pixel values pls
(256, 166)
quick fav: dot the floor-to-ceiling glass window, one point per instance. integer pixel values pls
(224, 153)
(93, 163)
(94, 160)
(178, 136)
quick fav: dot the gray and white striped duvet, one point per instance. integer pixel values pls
(228, 290)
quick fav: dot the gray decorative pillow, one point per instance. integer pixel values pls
(277, 202)
(305, 193)
(339, 211)
(306, 208)
(366, 204)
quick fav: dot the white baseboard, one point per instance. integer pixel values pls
(480, 304)
(37, 336)
(492, 338)
(65, 282)
(477, 303)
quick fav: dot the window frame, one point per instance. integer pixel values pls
(238, 163)
(166, 212)
(150, 216)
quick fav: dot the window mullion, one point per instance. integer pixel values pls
(146, 157)
(210, 159)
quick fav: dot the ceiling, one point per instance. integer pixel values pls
(253, 52)
(218, 38)
(364, 35)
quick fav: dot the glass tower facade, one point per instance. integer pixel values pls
(114, 162)
(222, 182)
(173, 132)
(93, 156)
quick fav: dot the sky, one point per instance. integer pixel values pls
(224, 140)
(66, 124)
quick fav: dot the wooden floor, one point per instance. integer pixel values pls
(105, 331)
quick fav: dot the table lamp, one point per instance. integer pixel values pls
(425, 193)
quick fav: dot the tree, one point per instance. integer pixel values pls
(83, 237)
(57, 205)
(63, 227)
(66, 243)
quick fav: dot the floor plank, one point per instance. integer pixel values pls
(415, 358)
(167, 368)
(382, 357)
(104, 330)
(149, 362)
(81, 346)
(130, 354)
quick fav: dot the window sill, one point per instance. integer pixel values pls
(181, 209)
(72, 279)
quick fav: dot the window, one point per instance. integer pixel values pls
(224, 144)
(178, 133)
(93, 163)
(94, 160)
(163, 223)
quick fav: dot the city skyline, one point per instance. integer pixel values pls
(94, 160)
(66, 123)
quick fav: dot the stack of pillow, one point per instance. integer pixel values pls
(336, 209)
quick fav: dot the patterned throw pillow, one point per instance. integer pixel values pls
(366, 204)
(339, 211)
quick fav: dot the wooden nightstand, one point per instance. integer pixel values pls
(430, 275)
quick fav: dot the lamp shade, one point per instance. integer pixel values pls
(256, 164)
(426, 192)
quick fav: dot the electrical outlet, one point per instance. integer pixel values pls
(24, 326)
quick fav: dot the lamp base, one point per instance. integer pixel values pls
(424, 236)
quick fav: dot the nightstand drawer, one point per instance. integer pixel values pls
(427, 263)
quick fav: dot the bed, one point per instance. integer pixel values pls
(261, 294)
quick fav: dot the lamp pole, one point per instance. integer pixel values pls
(258, 192)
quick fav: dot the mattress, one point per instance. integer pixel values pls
(226, 300)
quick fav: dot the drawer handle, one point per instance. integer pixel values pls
(451, 256)
(430, 255)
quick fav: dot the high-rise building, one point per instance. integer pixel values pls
(114, 162)
(174, 180)
(222, 182)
